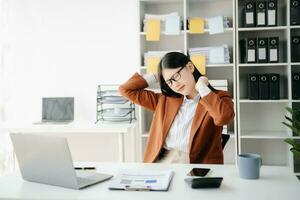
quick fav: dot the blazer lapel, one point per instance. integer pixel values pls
(198, 118)
(172, 107)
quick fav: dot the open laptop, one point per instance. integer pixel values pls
(47, 160)
(57, 110)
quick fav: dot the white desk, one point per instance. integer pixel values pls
(274, 183)
(81, 127)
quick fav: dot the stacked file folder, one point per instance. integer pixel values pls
(169, 23)
(213, 54)
(208, 24)
(214, 25)
(207, 21)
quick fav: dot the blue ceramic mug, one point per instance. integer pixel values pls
(249, 165)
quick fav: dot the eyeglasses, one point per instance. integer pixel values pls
(175, 77)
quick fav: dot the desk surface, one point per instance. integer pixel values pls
(74, 127)
(274, 183)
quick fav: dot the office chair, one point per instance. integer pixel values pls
(225, 138)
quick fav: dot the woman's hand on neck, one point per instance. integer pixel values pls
(193, 94)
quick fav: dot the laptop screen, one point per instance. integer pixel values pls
(58, 109)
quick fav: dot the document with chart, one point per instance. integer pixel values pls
(142, 180)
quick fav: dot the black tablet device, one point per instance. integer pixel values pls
(208, 182)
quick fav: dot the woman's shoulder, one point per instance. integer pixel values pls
(222, 93)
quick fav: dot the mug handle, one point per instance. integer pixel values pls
(261, 163)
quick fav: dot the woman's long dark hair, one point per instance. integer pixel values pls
(174, 60)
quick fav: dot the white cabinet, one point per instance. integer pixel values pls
(259, 121)
(257, 127)
(186, 40)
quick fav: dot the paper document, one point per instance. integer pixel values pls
(213, 54)
(172, 25)
(142, 180)
(216, 55)
(216, 25)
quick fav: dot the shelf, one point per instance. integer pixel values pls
(163, 33)
(295, 63)
(201, 1)
(208, 65)
(272, 28)
(206, 31)
(262, 64)
(295, 27)
(160, 1)
(264, 135)
(263, 101)
(295, 101)
(219, 65)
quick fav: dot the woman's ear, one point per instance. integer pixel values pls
(190, 66)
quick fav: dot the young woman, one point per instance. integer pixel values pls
(188, 116)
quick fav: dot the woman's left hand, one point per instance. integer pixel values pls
(202, 81)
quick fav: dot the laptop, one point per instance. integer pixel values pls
(57, 110)
(47, 159)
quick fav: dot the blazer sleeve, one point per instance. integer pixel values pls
(220, 106)
(134, 90)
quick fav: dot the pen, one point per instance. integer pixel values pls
(84, 168)
(132, 188)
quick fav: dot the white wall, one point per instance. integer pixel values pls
(65, 48)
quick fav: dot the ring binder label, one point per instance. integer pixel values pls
(261, 13)
(272, 13)
(262, 48)
(249, 14)
(273, 49)
(251, 50)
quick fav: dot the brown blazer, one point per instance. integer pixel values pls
(213, 111)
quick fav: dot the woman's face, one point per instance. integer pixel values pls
(180, 80)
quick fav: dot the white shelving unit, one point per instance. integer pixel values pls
(257, 127)
(259, 121)
(186, 40)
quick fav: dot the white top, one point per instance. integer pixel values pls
(275, 183)
(178, 136)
